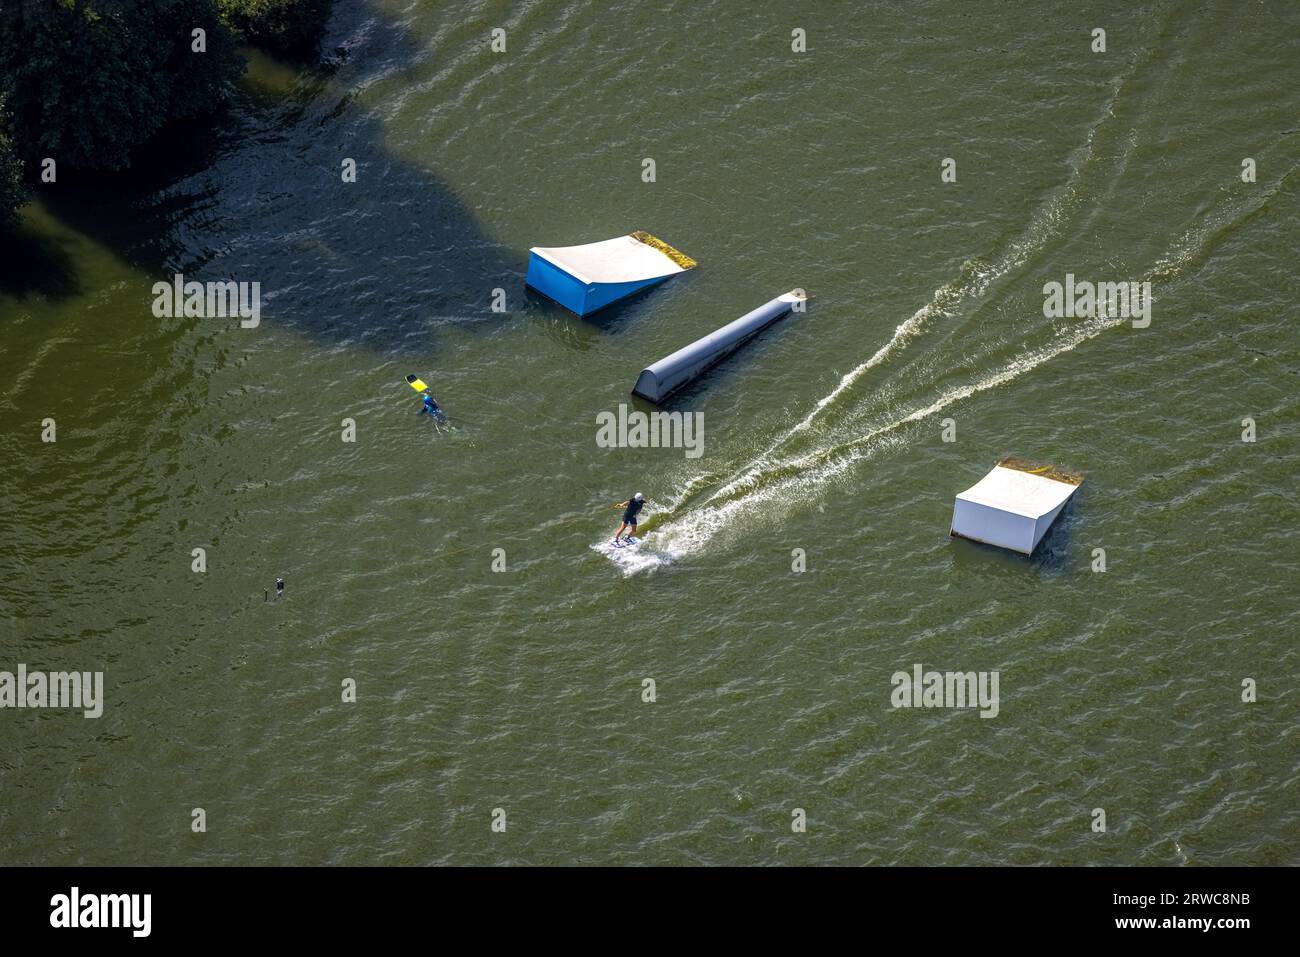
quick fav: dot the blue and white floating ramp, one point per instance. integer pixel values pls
(590, 277)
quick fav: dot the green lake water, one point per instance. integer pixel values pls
(522, 689)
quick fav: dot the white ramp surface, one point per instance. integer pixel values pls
(625, 259)
(1012, 507)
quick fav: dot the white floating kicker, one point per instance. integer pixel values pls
(1014, 505)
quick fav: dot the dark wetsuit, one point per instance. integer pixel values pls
(633, 506)
(431, 408)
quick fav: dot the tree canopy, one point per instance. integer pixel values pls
(88, 81)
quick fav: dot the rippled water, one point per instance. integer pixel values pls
(522, 689)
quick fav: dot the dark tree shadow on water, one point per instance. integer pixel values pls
(256, 193)
(132, 211)
(34, 264)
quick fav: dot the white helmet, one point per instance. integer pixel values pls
(638, 496)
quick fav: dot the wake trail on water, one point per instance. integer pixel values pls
(971, 285)
(787, 483)
(780, 482)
